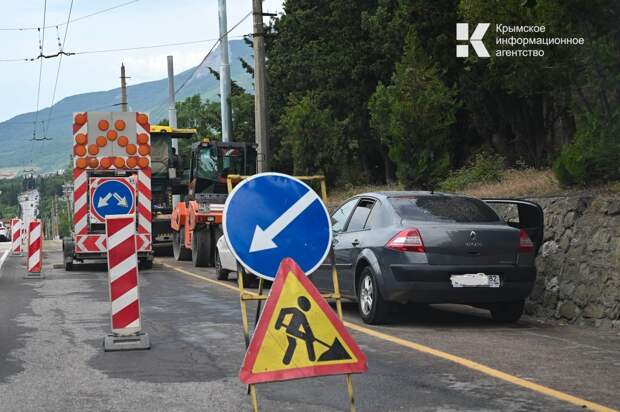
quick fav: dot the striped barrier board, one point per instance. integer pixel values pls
(16, 237)
(86, 242)
(35, 249)
(124, 285)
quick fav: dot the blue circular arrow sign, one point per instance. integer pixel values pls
(272, 216)
(112, 197)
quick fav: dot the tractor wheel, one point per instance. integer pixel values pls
(179, 250)
(201, 248)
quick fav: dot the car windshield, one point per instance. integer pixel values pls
(439, 208)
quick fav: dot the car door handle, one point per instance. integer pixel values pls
(355, 243)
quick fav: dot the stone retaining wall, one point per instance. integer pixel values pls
(579, 262)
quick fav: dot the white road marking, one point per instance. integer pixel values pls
(2, 259)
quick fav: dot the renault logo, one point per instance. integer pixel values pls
(473, 240)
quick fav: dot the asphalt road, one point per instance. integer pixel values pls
(443, 358)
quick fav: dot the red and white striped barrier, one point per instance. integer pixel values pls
(16, 236)
(35, 249)
(123, 280)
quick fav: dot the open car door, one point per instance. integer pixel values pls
(521, 214)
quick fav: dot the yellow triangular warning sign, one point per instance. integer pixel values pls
(298, 335)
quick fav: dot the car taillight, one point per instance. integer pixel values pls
(525, 243)
(408, 240)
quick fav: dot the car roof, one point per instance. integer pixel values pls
(405, 193)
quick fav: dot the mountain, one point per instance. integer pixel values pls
(151, 97)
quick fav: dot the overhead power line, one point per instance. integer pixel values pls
(70, 21)
(191, 76)
(151, 46)
(41, 45)
(144, 47)
(61, 48)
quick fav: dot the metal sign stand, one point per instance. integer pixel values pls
(246, 296)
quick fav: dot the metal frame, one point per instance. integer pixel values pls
(246, 296)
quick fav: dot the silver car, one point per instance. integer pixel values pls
(426, 247)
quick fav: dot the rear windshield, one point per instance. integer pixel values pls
(443, 209)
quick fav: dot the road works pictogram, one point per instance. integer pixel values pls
(299, 335)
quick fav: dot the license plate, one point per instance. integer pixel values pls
(475, 280)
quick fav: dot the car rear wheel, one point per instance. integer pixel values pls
(507, 312)
(372, 308)
(222, 274)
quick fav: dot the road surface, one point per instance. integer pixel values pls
(443, 358)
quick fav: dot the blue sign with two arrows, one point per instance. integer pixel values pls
(112, 197)
(272, 216)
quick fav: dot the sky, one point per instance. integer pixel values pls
(140, 23)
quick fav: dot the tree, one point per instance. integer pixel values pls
(413, 116)
(318, 47)
(312, 137)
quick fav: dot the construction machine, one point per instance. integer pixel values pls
(197, 222)
(111, 176)
(167, 180)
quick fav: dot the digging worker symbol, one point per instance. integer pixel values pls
(299, 328)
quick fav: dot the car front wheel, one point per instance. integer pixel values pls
(372, 308)
(507, 312)
(222, 274)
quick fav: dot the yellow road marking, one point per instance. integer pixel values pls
(583, 403)
(188, 273)
(482, 368)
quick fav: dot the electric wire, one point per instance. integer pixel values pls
(152, 46)
(41, 45)
(70, 21)
(61, 47)
(191, 76)
(145, 47)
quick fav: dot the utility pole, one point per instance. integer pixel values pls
(225, 83)
(172, 116)
(123, 89)
(260, 86)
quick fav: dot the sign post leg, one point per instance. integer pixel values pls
(246, 327)
(338, 298)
